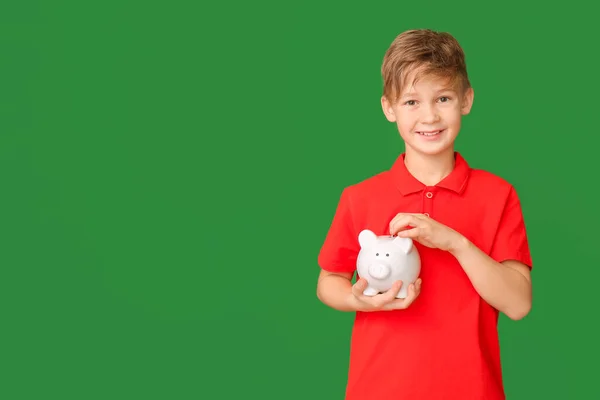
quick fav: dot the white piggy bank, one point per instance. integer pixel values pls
(382, 260)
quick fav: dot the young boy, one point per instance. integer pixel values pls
(440, 342)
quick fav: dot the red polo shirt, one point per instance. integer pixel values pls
(445, 345)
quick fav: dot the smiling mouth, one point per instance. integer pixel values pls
(430, 133)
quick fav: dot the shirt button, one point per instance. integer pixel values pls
(429, 195)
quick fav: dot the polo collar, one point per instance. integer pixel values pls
(407, 183)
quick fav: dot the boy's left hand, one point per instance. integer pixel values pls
(426, 231)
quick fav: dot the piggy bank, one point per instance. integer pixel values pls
(382, 260)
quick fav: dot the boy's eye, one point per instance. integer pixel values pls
(410, 103)
(444, 99)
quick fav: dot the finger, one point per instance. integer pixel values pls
(414, 290)
(396, 218)
(418, 216)
(410, 233)
(413, 293)
(400, 215)
(391, 293)
(375, 301)
(359, 287)
(417, 289)
(379, 300)
(397, 304)
(404, 218)
(403, 222)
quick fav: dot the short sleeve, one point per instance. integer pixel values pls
(340, 248)
(511, 242)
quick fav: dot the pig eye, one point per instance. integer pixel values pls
(387, 255)
(377, 254)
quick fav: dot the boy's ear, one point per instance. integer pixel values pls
(388, 110)
(467, 101)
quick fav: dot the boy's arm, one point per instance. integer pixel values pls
(334, 289)
(502, 278)
(336, 258)
(506, 286)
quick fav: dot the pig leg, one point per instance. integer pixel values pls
(369, 291)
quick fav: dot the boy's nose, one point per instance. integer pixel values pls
(429, 115)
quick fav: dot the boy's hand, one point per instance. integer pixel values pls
(426, 231)
(384, 301)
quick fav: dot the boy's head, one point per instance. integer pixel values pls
(426, 88)
(425, 53)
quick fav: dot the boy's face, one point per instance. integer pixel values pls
(428, 114)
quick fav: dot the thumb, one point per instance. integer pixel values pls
(359, 287)
(361, 284)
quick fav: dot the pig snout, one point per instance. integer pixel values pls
(379, 270)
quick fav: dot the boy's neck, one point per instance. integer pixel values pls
(429, 170)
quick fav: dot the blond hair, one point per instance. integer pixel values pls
(424, 52)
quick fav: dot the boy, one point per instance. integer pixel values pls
(440, 342)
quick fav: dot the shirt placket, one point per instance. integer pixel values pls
(428, 196)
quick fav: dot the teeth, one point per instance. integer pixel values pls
(428, 133)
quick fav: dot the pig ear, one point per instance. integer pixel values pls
(405, 244)
(366, 238)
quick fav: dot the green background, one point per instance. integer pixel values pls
(168, 172)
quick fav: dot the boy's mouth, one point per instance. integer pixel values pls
(430, 133)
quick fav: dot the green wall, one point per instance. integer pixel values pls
(168, 172)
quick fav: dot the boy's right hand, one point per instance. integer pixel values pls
(384, 301)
